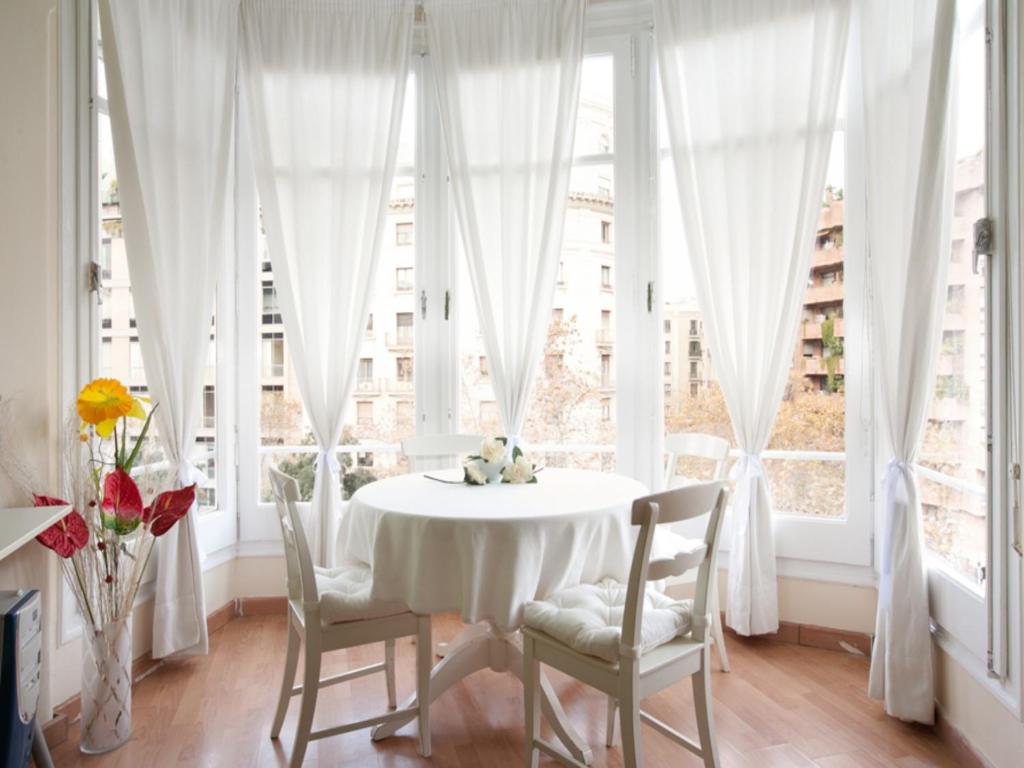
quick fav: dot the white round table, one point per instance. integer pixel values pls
(485, 551)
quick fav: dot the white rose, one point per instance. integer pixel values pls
(492, 450)
(518, 472)
(475, 474)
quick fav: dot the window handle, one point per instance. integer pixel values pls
(447, 304)
(423, 304)
(984, 237)
(650, 297)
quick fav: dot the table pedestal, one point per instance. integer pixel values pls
(481, 646)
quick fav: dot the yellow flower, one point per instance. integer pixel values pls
(103, 401)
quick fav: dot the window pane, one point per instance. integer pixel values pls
(120, 354)
(381, 410)
(572, 410)
(954, 491)
(811, 417)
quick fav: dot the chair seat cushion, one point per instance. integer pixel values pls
(588, 618)
(345, 595)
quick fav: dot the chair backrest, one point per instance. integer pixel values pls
(440, 446)
(664, 508)
(698, 446)
(302, 591)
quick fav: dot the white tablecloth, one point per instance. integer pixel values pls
(486, 551)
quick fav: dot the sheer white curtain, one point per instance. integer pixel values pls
(906, 51)
(170, 68)
(750, 99)
(325, 82)
(508, 74)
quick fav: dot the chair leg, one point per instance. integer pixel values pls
(703, 703)
(288, 680)
(424, 652)
(531, 699)
(389, 672)
(310, 688)
(609, 731)
(716, 629)
(629, 717)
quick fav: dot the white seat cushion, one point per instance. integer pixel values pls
(669, 544)
(345, 595)
(588, 618)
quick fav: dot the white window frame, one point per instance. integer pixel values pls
(981, 629)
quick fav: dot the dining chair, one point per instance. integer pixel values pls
(439, 448)
(629, 641)
(698, 446)
(330, 609)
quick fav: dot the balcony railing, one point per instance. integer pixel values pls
(399, 339)
(369, 386)
(827, 257)
(605, 336)
(400, 386)
(815, 366)
(812, 330)
(824, 294)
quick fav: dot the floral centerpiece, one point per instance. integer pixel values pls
(495, 463)
(105, 543)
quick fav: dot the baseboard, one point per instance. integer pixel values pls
(56, 730)
(959, 746)
(845, 641)
(261, 606)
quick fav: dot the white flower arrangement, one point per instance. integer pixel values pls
(494, 465)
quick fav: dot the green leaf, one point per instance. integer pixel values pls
(516, 453)
(502, 440)
(138, 443)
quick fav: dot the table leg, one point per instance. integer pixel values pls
(467, 633)
(474, 650)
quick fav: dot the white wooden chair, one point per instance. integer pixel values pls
(435, 451)
(716, 449)
(631, 642)
(330, 609)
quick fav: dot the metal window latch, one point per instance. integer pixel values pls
(447, 304)
(423, 304)
(650, 297)
(984, 240)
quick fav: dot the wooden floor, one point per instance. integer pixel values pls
(783, 705)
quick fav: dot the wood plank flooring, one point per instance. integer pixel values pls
(782, 705)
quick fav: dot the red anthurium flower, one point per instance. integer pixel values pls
(168, 508)
(66, 536)
(122, 502)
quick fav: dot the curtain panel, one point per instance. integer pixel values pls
(907, 49)
(170, 68)
(508, 75)
(325, 83)
(750, 92)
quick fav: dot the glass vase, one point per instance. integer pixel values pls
(106, 687)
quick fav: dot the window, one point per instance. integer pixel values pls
(693, 369)
(271, 309)
(955, 452)
(364, 413)
(364, 379)
(566, 407)
(484, 371)
(606, 409)
(273, 355)
(403, 329)
(668, 347)
(606, 276)
(403, 369)
(693, 328)
(694, 349)
(382, 408)
(120, 353)
(668, 369)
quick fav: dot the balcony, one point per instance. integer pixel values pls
(605, 337)
(400, 386)
(401, 339)
(824, 258)
(369, 386)
(815, 366)
(812, 330)
(824, 294)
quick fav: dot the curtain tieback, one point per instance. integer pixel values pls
(189, 473)
(898, 477)
(512, 441)
(748, 467)
(331, 457)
